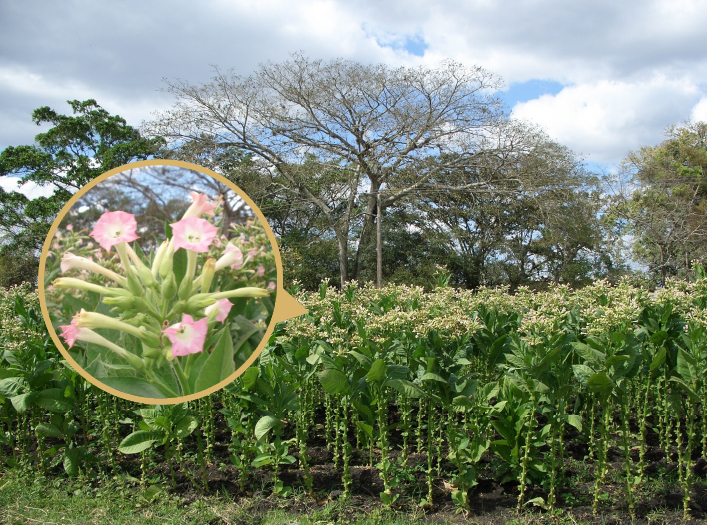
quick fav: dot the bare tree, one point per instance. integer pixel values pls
(332, 131)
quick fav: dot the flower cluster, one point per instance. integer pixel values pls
(172, 301)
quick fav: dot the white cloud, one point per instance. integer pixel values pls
(699, 112)
(632, 67)
(29, 189)
(604, 120)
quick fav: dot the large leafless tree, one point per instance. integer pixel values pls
(337, 133)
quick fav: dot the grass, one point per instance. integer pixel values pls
(24, 500)
(120, 500)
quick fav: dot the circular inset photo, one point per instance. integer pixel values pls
(159, 279)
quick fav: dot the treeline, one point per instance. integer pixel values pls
(323, 146)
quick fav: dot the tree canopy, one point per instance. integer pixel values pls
(74, 151)
(336, 134)
(665, 206)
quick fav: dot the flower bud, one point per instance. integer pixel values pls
(152, 353)
(134, 361)
(167, 263)
(133, 321)
(177, 309)
(78, 284)
(128, 314)
(167, 353)
(207, 274)
(150, 338)
(145, 276)
(125, 303)
(140, 304)
(248, 291)
(134, 285)
(169, 287)
(185, 288)
(199, 301)
(159, 256)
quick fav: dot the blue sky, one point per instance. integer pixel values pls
(602, 78)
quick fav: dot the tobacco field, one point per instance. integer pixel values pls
(592, 401)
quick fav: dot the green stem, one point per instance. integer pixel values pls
(183, 380)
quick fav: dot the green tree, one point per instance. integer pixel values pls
(17, 268)
(73, 152)
(665, 206)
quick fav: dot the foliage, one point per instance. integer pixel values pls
(76, 150)
(666, 209)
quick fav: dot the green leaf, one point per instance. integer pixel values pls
(582, 373)
(151, 492)
(686, 366)
(363, 359)
(462, 401)
(431, 376)
(22, 402)
(686, 388)
(250, 378)
(574, 420)
(405, 387)
(48, 430)
(219, 364)
(53, 399)
(377, 371)
(264, 425)
(138, 441)
(659, 359)
(368, 429)
(588, 353)
(601, 384)
(179, 266)
(134, 386)
(71, 461)
(186, 426)
(333, 382)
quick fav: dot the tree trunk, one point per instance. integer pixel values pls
(343, 258)
(367, 230)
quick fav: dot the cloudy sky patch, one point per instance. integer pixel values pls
(601, 77)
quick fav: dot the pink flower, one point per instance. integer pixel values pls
(56, 246)
(187, 337)
(271, 286)
(114, 227)
(223, 306)
(232, 256)
(200, 206)
(193, 233)
(251, 254)
(69, 227)
(260, 272)
(70, 333)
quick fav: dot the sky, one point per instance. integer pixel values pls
(602, 78)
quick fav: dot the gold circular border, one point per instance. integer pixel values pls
(43, 301)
